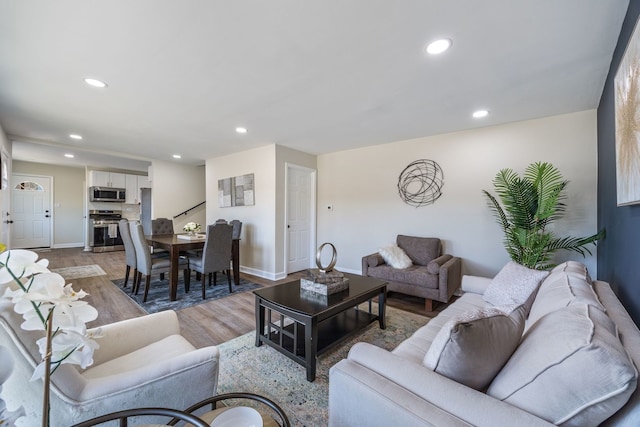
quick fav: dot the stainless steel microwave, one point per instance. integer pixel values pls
(107, 194)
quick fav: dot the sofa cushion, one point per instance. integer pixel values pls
(569, 369)
(514, 284)
(395, 257)
(415, 347)
(421, 250)
(416, 275)
(572, 268)
(472, 348)
(560, 290)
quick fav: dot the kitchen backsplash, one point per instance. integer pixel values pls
(130, 211)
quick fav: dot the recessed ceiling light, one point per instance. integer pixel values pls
(75, 136)
(438, 46)
(177, 156)
(241, 130)
(71, 156)
(95, 82)
(480, 113)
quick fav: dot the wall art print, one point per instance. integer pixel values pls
(236, 191)
(627, 111)
(420, 183)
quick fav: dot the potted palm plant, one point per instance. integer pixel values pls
(524, 208)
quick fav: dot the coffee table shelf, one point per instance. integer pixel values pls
(301, 328)
(330, 331)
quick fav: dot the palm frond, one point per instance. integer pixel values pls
(525, 206)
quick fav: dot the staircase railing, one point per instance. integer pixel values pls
(190, 209)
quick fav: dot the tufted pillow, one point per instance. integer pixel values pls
(395, 257)
(472, 347)
(514, 284)
(569, 369)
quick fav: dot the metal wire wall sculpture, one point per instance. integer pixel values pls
(421, 183)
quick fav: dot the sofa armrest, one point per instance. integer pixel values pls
(371, 260)
(475, 284)
(394, 391)
(123, 337)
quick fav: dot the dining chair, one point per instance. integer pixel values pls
(237, 228)
(162, 226)
(129, 252)
(148, 265)
(215, 254)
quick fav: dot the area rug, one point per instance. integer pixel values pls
(264, 371)
(70, 273)
(158, 299)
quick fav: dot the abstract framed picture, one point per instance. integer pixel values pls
(627, 119)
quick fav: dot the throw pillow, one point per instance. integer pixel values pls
(472, 347)
(570, 369)
(514, 284)
(395, 257)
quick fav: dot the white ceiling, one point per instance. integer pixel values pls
(316, 76)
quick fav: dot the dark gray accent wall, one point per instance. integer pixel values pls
(619, 252)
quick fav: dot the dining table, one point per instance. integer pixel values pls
(175, 245)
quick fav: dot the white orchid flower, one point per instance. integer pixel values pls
(67, 347)
(42, 296)
(20, 263)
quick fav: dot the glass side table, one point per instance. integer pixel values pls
(268, 420)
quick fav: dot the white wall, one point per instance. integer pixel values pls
(257, 247)
(367, 213)
(176, 188)
(263, 227)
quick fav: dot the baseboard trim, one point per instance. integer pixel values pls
(67, 245)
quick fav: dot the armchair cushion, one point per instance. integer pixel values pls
(420, 250)
(395, 257)
(472, 347)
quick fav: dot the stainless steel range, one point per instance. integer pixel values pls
(104, 235)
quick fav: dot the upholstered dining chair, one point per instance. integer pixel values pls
(237, 228)
(215, 254)
(129, 252)
(162, 226)
(148, 265)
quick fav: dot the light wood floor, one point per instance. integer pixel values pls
(210, 323)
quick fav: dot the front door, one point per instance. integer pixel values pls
(300, 241)
(30, 211)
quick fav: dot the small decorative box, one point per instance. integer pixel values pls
(324, 283)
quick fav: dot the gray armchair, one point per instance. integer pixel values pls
(433, 276)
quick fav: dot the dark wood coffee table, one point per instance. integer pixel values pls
(302, 324)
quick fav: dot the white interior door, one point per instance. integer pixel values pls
(300, 218)
(30, 211)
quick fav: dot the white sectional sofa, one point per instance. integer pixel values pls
(574, 363)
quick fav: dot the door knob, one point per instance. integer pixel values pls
(9, 222)
(47, 216)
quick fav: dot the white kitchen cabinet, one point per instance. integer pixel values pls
(107, 179)
(143, 181)
(100, 178)
(118, 180)
(133, 185)
(132, 189)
